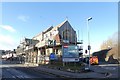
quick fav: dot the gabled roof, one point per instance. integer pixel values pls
(59, 25)
(47, 30)
(52, 28)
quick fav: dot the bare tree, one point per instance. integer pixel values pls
(112, 42)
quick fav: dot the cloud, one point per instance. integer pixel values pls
(8, 28)
(7, 42)
(23, 18)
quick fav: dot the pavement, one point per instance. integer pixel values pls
(70, 74)
(94, 73)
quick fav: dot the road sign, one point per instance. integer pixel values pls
(53, 56)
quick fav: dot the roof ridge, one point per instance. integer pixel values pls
(59, 25)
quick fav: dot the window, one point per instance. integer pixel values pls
(48, 52)
(50, 34)
(46, 35)
(56, 51)
(66, 35)
(53, 50)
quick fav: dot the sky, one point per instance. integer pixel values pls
(27, 19)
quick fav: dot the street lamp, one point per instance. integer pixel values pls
(89, 47)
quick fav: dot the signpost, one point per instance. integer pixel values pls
(70, 53)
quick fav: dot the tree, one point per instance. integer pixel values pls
(112, 42)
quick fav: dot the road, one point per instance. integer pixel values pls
(113, 69)
(18, 71)
(110, 70)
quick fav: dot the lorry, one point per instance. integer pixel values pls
(93, 60)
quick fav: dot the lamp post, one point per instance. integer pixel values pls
(89, 47)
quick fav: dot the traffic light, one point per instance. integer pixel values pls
(86, 51)
(89, 47)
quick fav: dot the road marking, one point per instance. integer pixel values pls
(13, 77)
(109, 74)
(20, 76)
(109, 65)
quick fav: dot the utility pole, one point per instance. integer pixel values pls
(89, 47)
